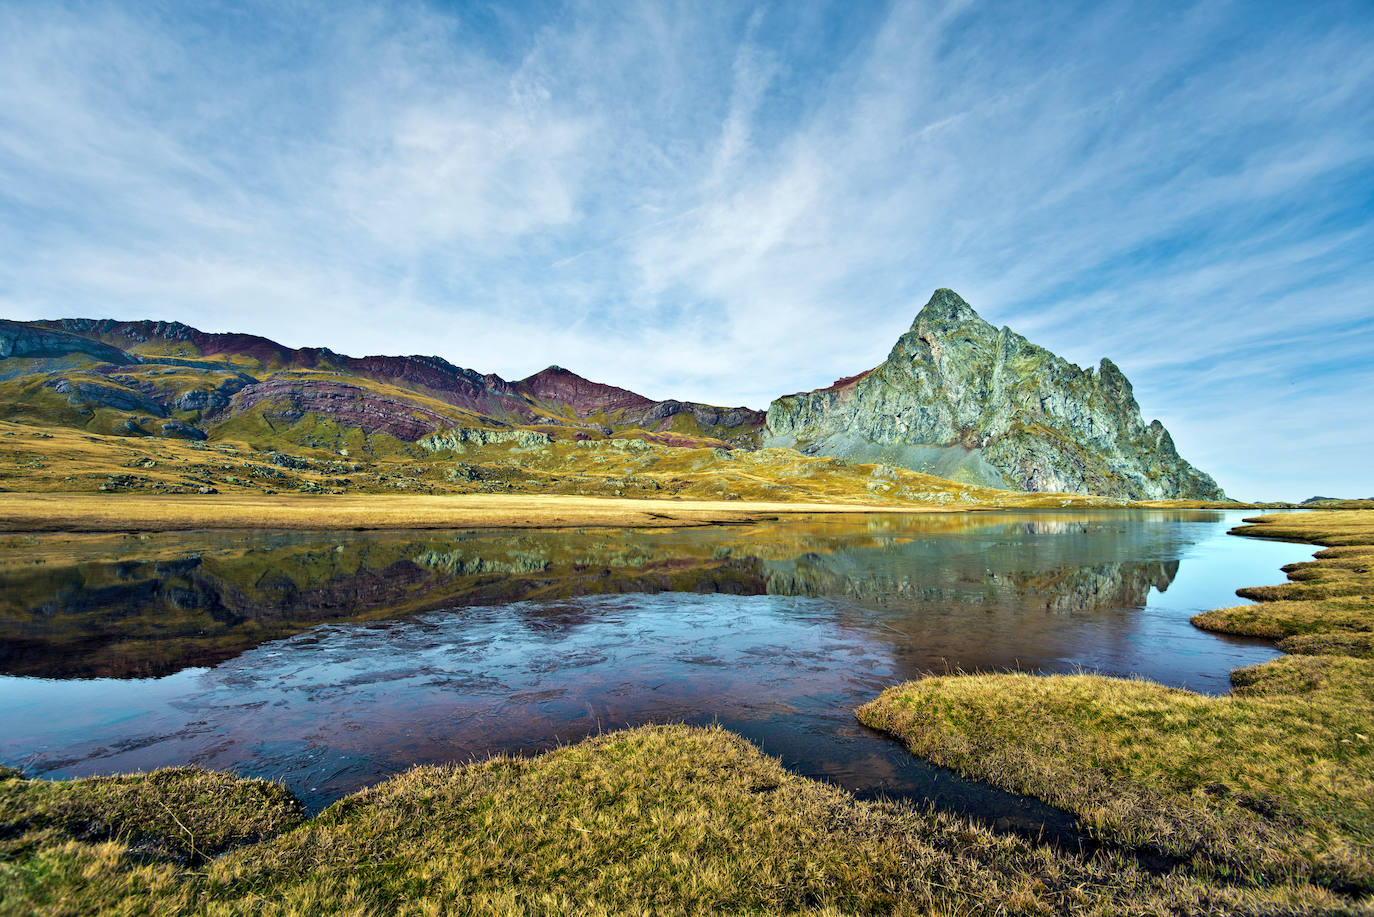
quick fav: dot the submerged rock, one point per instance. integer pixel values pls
(962, 399)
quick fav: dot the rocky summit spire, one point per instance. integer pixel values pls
(946, 307)
(960, 398)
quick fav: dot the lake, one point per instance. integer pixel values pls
(331, 660)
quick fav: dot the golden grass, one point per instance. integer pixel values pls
(656, 820)
(1331, 595)
(1275, 619)
(245, 457)
(1254, 785)
(52, 479)
(123, 513)
(1274, 780)
(182, 814)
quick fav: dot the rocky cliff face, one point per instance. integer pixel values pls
(961, 399)
(18, 340)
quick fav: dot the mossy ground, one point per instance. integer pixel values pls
(662, 820)
(1273, 781)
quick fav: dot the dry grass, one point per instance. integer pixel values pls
(60, 479)
(1275, 780)
(123, 513)
(661, 820)
(1277, 620)
(58, 459)
(1330, 598)
(179, 814)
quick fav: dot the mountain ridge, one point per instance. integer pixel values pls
(554, 396)
(955, 398)
(962, 399)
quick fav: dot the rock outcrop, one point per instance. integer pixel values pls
(18, 340)
(584, 396)
(459, 438)
(290, 400)
(962, 399)
(737, 426)
(100, 393)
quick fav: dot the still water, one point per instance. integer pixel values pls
(332, 660)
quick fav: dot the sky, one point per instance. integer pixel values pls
(726, 202)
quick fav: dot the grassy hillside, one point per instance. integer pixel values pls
(159, 407)
(166, 379)
(319, 456)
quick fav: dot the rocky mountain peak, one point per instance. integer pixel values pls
(946, 308)
(559, 384)
(962, 399)
(1114, 383)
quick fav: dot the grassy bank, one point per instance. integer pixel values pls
(667, 820)
(1275, 781)
(1328, 604)
(130, 513)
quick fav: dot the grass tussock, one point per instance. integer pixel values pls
(1359, 645)
(1276, 780)
(178, 814)
(663, 820)
(1273, 781)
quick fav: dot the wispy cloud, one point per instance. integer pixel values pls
(727, 202)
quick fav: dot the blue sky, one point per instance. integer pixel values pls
(727, 202)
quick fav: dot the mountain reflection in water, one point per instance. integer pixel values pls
(329, 660)
(75, 606)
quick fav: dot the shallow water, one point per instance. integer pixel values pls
(331, 660)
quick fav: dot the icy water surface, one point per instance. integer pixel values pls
(332, 660)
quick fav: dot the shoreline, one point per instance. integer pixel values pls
(72, 513)
(57, 513)
(1241, 783)
(707, 814)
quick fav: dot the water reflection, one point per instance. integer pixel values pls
(140, 606)
(331, 660)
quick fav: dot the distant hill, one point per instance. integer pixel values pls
(169, 379)
(1338, 502)
(962, 399)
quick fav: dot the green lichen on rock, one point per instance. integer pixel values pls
(962, 399)
(459, 438)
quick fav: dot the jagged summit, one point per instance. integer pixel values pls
(960, 398)
(946, 307)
